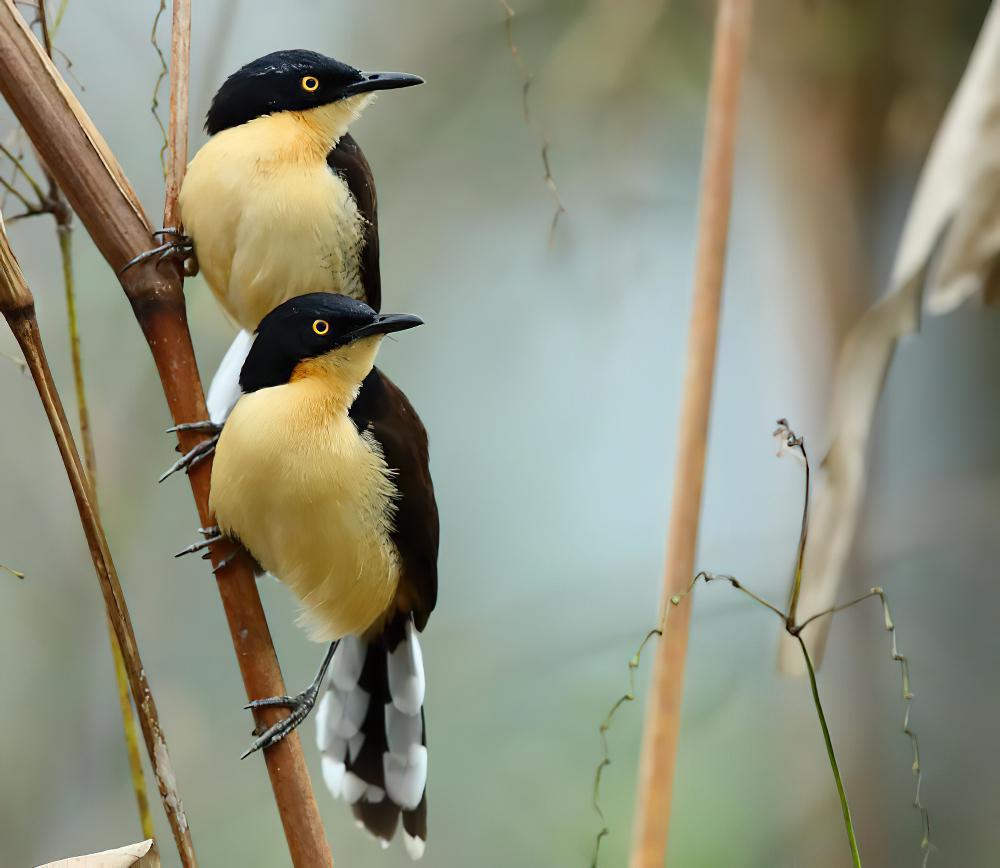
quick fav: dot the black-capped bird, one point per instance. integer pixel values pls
(321, 473)
(280, 201)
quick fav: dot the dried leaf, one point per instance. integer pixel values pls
(948, 254)
(141, 855)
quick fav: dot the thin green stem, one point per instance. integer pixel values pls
(848, 823)
(129, 729)
(17, 194)
(64, 232)
(19, 165)
(904, 666)
(794, 441)
(59, 17)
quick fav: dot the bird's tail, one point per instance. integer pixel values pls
(370, 731)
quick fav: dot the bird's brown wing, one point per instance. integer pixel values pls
(348, 161)
(385, 411)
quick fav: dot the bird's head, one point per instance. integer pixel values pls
(298, 81)
(321, 334)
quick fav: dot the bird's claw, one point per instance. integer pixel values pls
(180, 247)
(300, 707)
(225, 562)
(203, 425)
(212, 535)
(198, 453)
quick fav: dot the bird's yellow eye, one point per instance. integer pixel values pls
(321, 326)
(310, 83)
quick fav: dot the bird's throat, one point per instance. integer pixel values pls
(335, 378)
(305, 136)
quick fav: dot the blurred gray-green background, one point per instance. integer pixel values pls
(549, 379)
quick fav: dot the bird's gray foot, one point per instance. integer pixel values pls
(226, 561)
(300, 707)
(198, 453)
(212, 535)
(179, 247)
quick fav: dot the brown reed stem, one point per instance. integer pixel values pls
(663, 718)
(94, 184)
(18, 308)
(177, 128)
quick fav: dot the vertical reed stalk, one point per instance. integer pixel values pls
(136, 774)
(662, 729)
(18, 308)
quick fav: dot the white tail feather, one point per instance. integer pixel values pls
(333, 775)
(225, 389)
(406, 673)
(342, 714)
(402, 730)
(347, 663)
(414, 846)
(353, 788)
(406, 776)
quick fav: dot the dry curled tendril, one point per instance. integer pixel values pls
(791, 443)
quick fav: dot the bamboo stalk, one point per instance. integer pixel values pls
(663, 718)
(18, 308)
(95, 186)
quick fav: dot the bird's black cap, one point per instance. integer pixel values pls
(309, 326)
(292, 81)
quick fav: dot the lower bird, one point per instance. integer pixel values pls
(321, 473)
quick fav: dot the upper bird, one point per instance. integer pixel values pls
(280, 201)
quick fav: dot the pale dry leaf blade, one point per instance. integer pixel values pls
(959, 188)
(141, 855)
(948, 251)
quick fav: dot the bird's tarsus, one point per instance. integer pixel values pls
(300, 707)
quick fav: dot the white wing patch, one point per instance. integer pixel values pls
(225, 389)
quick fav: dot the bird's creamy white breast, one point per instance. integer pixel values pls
(312, 499)
(270, 220)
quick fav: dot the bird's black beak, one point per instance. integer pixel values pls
(386, 323)
(371, 81)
